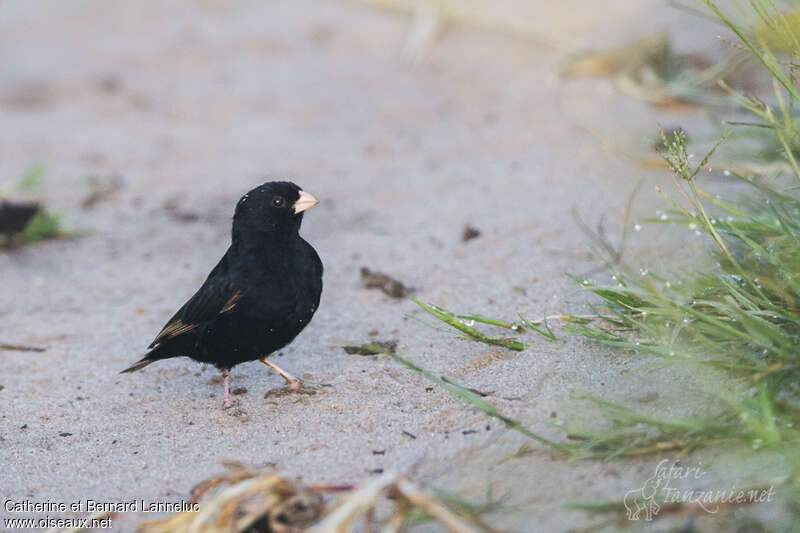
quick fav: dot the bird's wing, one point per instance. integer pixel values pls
(219, 294)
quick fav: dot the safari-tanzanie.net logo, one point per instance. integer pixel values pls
(667, 487)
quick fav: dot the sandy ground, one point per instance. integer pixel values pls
(190, 107)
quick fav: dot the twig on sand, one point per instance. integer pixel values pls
(21, 347)
(405, 494)
(246, 499)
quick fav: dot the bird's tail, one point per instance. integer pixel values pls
(162, 351)
(138, 365)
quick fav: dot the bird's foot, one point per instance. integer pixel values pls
(296, 387)
(291, 382)
(228, 401)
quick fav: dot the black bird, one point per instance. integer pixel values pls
(261, 294)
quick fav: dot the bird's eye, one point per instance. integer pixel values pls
(278, 202)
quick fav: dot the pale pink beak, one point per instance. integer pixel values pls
(306, 201)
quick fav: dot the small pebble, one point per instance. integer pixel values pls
(470, 233)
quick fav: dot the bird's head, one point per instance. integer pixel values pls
(274, 208)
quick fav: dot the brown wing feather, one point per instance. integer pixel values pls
(173, 328)
(198, 310)
(231, 303)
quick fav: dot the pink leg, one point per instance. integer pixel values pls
(228, 399)
(292, 381)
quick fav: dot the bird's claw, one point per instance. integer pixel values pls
(292, 388)
(228, 402)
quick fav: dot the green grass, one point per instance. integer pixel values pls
(474, 513)
(738, 314)
(476, 400)
(464, 325)
(45, 224)
(32, 178)
(742, 314)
